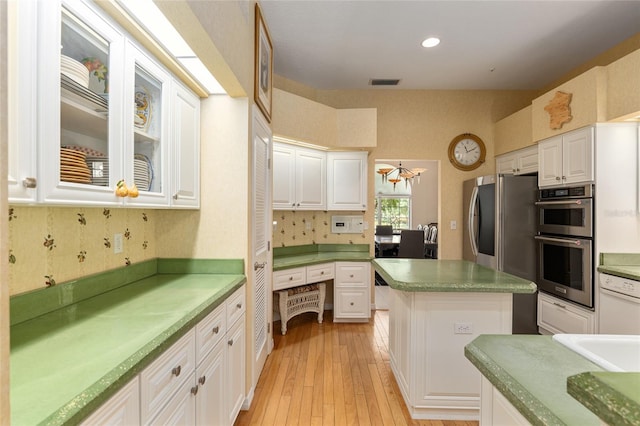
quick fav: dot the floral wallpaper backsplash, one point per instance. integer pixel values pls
(296, 228)
(49, 245)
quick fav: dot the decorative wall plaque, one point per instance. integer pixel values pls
(559, 110)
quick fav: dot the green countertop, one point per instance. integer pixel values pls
(625, 265)
(448, 276)
(312, 254)
(67, 362)
(613, 396)
(531, 372)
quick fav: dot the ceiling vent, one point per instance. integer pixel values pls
(384, 82)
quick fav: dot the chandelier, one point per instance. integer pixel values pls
(396, 174)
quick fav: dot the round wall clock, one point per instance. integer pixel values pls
(467, 152)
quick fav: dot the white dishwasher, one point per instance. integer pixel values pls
(619, 311)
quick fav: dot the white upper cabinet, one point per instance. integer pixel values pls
(102, 114)
(185, 171)
(299, 178)
(347, 180)
(518, 162)
(566, 159)
(22, 101)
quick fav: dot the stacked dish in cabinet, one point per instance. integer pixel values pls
(142, 172)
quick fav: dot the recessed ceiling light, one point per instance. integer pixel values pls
(431, 42)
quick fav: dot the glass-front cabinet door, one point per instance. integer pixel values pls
(80, 112)
(147, 92)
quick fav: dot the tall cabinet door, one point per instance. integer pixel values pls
(185, 151)
(550, 162)
(310, 180)
(347, 181)
(80, 104)
(22, 101)
(146, 129)
(284, 172)
(578, 156)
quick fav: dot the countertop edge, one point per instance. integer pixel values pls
(75, 410)
(610, 405)
(519, 396)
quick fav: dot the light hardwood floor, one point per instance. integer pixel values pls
(331, 374)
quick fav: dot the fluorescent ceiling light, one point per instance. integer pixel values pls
(431, 42)
(202, 74)
(153, 20)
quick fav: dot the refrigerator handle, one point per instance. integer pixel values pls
(472, 214)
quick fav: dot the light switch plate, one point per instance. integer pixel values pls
(117, 243)
(454, 224)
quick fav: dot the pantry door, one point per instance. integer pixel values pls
(262, 337)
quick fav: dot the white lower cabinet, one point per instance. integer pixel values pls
(122, 409)
(558, 316)
(199, 380)
(496, 410)
(352, 291)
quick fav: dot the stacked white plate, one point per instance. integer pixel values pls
(74, 70)
(99, 167)
(141, 174)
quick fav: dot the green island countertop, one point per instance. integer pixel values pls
(612, 396)
(531, 372)
(76, 344)
(448, 276)
(313, 254)
(625, 265)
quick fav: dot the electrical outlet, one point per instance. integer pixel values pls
(454, 224)
(308, 226)
(463, 328)
(117, 243)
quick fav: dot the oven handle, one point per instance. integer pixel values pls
(565, 202)
(558, 240)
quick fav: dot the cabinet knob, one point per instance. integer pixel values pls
(351, 303)
(557, 177)
(215, 330)
(175, 196)
(322, 273)
(564, 178)
(290, 278)
(298, 204)
(230, 342)
(517, 170)
(194, 390)
(239, 306)
(202, 379)
(513, 170)
(30, 182)
(176, 371)
(351, 276)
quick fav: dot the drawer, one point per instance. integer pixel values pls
(210, 331)
(558, 316)
(235, 306)
(351, 302)
(353, 273)
(319, 273)
(288, 278)
(160, 380)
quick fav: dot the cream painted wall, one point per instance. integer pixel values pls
(514, 131)
(623, 87)
(220, 228)
(588, 104)
(420, 124)
(5, 412)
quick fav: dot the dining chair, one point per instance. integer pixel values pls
(411, 244)
(384, 230)
(431, 241)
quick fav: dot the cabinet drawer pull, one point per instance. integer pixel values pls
(239, 306)
(322, 273)
(215, 330)
(176, 371)
(351, 303)
(557, 177)
(194, 390)
(202, 379)
(559, 305)
(290, 278)
(351, 276)
(230, 342)
(175, 196)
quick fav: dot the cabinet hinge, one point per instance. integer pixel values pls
(268, 163)
(268, 245)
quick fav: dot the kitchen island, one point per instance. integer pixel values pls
(436, 308)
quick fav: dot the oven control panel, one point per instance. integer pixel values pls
(620, 285)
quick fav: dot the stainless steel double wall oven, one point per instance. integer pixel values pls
(565, 243)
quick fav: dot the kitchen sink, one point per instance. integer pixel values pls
(609, 351)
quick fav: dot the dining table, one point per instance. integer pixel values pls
(386, 243)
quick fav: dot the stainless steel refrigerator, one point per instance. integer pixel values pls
(499, 226)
